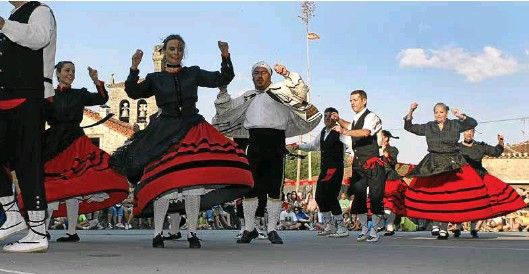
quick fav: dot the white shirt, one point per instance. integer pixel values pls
(372, 122)
(315, 144)
(39, 33)
(265, 112)
(288, 217)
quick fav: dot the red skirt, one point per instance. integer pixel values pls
(504, 199)
(203, 158)
(453, 197)
(394, 192)
(78, 171)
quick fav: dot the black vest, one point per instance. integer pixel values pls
(364, 148)
(21, 68)
(331, 150)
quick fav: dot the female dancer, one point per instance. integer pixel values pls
(78, 178)
(179, 155)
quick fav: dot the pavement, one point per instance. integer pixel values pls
(130, 251)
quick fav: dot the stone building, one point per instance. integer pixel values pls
(127, 113)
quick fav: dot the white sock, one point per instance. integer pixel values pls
(326, 217)
(161, 206)
(272, 207)
(249, 206)
(390, 220)
(174, 223)
(363, 222)
(192, 205)
(51, 207)
(72, 212)
(37, 231)
(338, 220)
(242, 224)
(377, 222)
(11, 210)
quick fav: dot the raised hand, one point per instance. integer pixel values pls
(501, 139)
(413, 106)
(93, 75)
(457, 113)
(281, 70)
(136, 59)
(338, 129)
(224, 48)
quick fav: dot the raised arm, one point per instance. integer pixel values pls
(417, 129)
(495, 151)
(215, 79)
(99, 98)
(134, 89)
(465, 122)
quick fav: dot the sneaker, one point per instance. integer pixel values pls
(435, 231)
(262, 236)
(110, 226)
(372, 239)
(157, 242)
(443, 235)
(457, 233)
(389, 233)
(194, 242)
(173, 236)
(362, 237)
(329, 230)
(69, 238)
(274, 237)
(248, 236)
(340, 233)
(120, 225)
(474, 234)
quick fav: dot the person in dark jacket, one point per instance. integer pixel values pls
(179, 155)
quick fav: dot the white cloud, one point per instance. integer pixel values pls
(527, 51)
(476, 67)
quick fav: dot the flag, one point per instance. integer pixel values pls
(312, 36)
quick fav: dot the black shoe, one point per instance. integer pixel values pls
(474, 234)
(389, 233)
(274, 238)
(435, 231)
(443, 235)
(173, 236)
(69, 238)
(247, 236)
(157, 242)
(48, 236)
(457, 233)
(194, 242)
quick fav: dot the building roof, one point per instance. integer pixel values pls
(114, 124)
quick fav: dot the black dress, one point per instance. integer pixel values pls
(179, 150)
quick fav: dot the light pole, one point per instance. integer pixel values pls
(307, 12)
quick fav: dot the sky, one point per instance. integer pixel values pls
(470, 55)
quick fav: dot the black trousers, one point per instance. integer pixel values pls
(362, 178)
(328, 188)
(21, 133)
(266, 155)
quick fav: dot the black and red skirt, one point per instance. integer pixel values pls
(394, 192)
(503, 198)
(456, 197)
(204, 158)
(79, 171)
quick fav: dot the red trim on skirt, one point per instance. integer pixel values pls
(394, 192)
(204, 157)
(80, 170)
(454, 197)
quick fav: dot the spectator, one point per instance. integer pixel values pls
(117, 216)
(288, 219)
(345, 203)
